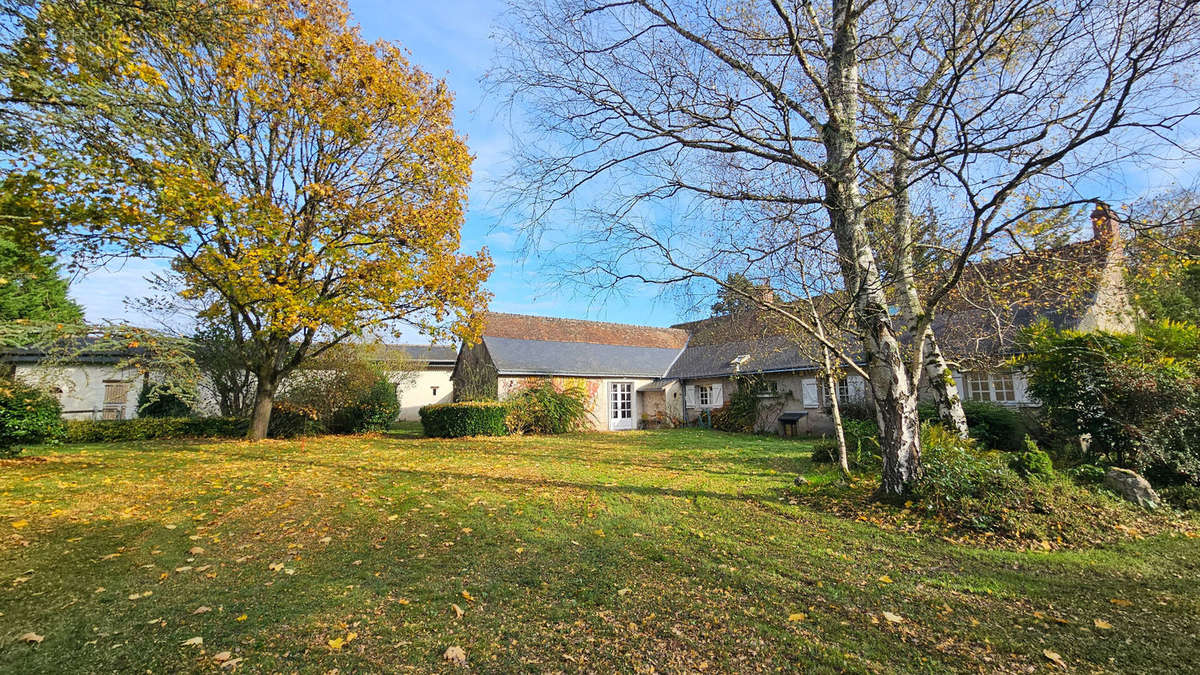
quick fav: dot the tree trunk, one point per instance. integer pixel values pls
(264, 398)
(945, 390)
(836, 409)
(937, 372)
(895, 401)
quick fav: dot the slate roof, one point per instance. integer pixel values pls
(428, 354)
(983, 316)
(549, 329)
(765, 355)
(513, 356)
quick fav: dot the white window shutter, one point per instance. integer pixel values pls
(716, 395)
(689, 396)
(810, 393)
(1020, 387)
(858, 387)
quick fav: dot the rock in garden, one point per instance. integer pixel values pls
(1132, 487)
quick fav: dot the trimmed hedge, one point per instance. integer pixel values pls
(151, 428)
(289, 420)
(468, 418)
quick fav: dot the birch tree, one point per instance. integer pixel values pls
(775, 104)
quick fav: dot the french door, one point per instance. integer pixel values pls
(620, 406)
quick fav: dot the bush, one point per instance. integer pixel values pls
(961, 483)
(1183, 497)
(862, 443)
(159, 400)
(824, 451)
(544, 408)
(468, 418)
(995, 426)
(375, 411)
(289, 420)
(740, 413)
(1088, 474)
(1032, 463)
(27, 416)
(1137, 397)
(150, 428)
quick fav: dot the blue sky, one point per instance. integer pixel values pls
(451, 40)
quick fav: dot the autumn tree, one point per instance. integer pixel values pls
(765, 120)
(311, 182)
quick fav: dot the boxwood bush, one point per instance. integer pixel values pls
(151, 428)
(375, 410)
(467, 418)
(995, 426)
(27, 416)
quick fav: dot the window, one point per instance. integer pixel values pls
(843, 386)
(985, 386)
(434, 389)
(978, 387)
(704, 396)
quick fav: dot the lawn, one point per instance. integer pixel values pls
(638, 552)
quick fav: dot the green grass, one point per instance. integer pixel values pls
(672, 551)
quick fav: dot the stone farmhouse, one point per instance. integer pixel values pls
(646, 376)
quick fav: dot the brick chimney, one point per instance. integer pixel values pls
(1105, 227)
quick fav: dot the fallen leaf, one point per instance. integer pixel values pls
(893, 618)
(1121, 602)
(241, 618)
(458, 611)
(275, 567)
(1102, 624)
(467, 596)
(455, 655)
(32, 638)
(624, 591)
(336, 643)
(185, 568)
(222, 656)
(18, 524)
(138, 596)
(231, 663)
(192, 642)
(402, 601)
(326, 540)
(885, 579)
(1055, 657)
(99, 590)
(195, 550)
(798, 616)
(202, 609)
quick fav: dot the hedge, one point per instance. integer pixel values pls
(150, 428)
(468, 418)
(27, 416)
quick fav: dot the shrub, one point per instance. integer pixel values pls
(289, 420)
(1184, 497)
(375, 411)
(862, 443)
(1088, 474)
(995, 426)
(1135, 396)
(1033, 462)
(150, 428)
(739, 414)
(27, 416)
(468, 418)
(961, 483)
(824, 451)
(160, 400)
(543, 408)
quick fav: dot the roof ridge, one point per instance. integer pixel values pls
(593, 321)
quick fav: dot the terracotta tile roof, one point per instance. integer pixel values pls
(549, 329)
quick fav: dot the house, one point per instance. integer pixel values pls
(100, 383)
(642, 376)
(94, 383)
(422, 375)
(620, 365)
